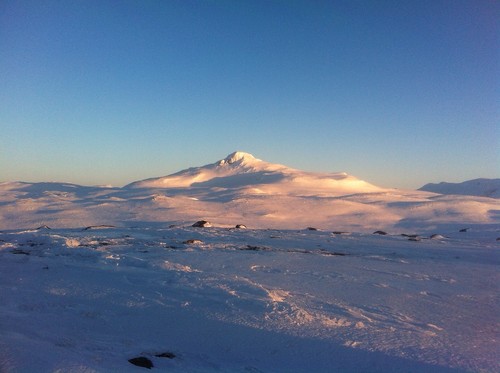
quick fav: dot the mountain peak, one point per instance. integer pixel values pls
(237, 156)
(241, 171)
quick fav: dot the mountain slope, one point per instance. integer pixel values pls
(477, 187)
(240, 170)
(236, 163)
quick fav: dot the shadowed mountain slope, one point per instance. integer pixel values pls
(477, 187)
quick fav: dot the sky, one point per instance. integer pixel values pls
(397, 93)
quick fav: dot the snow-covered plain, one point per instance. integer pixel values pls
(241, 300)
(122, 274)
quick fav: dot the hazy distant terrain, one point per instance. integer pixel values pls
(477, 187)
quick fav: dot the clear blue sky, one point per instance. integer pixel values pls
(398, 93)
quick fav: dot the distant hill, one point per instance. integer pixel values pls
(477, 187)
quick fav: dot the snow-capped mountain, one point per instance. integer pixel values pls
(240, 170)
(236, 163)
(477, 187)
(241, 189)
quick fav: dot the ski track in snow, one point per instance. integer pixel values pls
(247, 300)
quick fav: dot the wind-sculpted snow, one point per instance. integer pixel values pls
(189, 299)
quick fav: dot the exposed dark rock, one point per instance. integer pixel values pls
(202, 224)
(43, 227)
(241, 226)
(339, 232)
(103, 226)
(19, 251)
(409, 235)
(141, 361)
(192, 242)
(255, 248)
(312, 229)
(168, 355)
(331, 253)
(380, 232)
(464, 230)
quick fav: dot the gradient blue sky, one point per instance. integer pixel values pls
(398, 93)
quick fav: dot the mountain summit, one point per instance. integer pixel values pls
(242, 171)
(238, 157)
(236, 163)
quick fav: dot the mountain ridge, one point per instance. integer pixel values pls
(480, 187)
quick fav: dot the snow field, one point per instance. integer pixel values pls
(248, 300)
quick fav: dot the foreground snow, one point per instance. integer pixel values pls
(236, 300)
